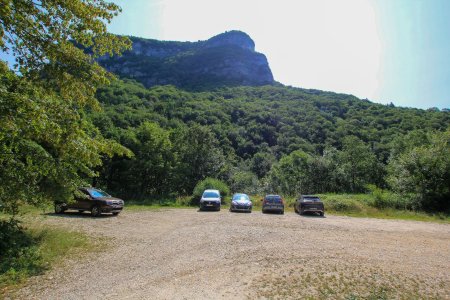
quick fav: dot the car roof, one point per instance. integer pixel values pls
(240, 194)
(312, 196)
(273, 195)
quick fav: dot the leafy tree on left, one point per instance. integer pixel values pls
(47, 145)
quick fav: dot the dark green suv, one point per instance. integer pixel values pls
(94, 200)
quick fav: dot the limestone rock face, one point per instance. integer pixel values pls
(228, 59)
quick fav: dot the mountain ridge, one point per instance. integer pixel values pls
(227, 59)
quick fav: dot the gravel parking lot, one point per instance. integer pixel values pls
(186, 254)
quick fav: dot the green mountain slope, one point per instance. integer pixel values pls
(250, 131)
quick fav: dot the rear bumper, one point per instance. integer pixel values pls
(312, 209)
(280, 208)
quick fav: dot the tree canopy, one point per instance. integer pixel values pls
(48, 146)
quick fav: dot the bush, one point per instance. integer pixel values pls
(385, 199)
(342, 204)
(19, 253)
(244, 182)
(209, 183)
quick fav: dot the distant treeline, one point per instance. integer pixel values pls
(271, 139)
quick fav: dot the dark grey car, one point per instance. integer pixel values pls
(309, 203)
(273, 203)
(241, 202)
(94, 200)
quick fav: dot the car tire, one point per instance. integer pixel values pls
(218, 209)
(59, 209)
(115, 213)
(96, 211)
(321, 214)
(302, 212)
(282, 212)
(295, 209)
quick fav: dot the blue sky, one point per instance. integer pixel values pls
(384, 50)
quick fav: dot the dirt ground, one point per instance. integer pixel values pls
(186, 254)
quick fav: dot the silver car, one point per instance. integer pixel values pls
(241, 202)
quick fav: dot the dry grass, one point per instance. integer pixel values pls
(304, 279)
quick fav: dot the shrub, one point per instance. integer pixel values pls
(244, 182)
(342, 204)
(209, 183)
(19, 254)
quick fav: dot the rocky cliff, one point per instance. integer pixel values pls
(228, 59)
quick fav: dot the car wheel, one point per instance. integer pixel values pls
(296, 210)
(115, 213)
(218, 209)
(302, 212)
(59, 208)
(321, 214)
(282, 212)
(96, 211)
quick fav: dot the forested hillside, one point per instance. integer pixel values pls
(270, 139)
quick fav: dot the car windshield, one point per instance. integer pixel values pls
(210, 195)
(273, 199)
(98, 193)
(241, 197)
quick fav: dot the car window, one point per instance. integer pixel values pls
(98, 193)
(210, 195)
(311, 199)
(273, 199)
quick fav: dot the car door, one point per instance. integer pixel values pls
(84, 201)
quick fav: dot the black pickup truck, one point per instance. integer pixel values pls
(309, 203)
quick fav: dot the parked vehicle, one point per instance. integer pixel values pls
(211, 199)
(94, 200)
(241, 202)
(273, 203)
(309, 203)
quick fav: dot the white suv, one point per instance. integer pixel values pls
(211, 199)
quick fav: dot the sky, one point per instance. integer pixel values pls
(383, 50)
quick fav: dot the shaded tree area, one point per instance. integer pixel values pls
(265, 139)
(47, 145)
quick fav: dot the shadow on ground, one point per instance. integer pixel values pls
(76, 214)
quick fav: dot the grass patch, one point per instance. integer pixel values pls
(342, 280)
(364, 205)
(33, 249)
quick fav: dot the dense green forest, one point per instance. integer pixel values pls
(271, 139)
